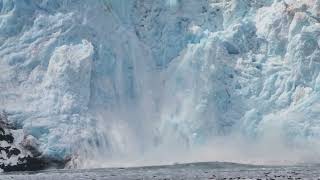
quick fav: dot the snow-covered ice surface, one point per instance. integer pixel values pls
(110, 81)
(218, 171)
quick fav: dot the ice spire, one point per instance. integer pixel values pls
(172, 3)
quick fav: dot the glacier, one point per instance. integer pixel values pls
(105, 82)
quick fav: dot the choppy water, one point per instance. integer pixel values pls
(213, 170)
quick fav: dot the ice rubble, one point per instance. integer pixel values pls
(127, 76)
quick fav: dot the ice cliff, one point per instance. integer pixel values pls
(108, 79)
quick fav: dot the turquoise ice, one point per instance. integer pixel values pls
(110, 79)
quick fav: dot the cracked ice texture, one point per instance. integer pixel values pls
(126, 76)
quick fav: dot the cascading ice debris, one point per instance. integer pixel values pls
(103, 82)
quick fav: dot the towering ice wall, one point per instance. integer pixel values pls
(119, 79)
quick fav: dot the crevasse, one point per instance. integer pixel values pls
(113, 80)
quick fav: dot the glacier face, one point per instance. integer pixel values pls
(117, 79)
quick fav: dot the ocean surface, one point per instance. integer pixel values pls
(207, 170)
(120, 79)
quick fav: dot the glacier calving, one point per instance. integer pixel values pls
(120, 78)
